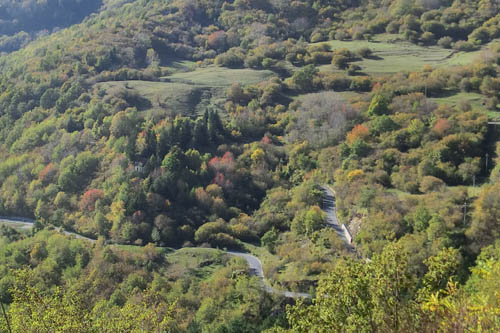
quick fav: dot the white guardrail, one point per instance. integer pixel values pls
(347, 234)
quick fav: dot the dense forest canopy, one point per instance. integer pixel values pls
(33, 16)
(166, 130)
(22, 21)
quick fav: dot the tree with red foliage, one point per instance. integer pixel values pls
(89, 199)
(48, 173)
(441, 127)
(217, 40)
(221, 180)
(223, 164)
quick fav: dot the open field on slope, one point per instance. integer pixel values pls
(453, 98)
(198, 261)
(220, 76)
(475, 100)
(186, 93)
(392, 56)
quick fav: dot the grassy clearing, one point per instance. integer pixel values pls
(220, 77)
(198, 262)
(476, 100)
(493, 115)
(181, 66)
(18, 227)
(186, 93)
(472, 191)
(192, 257)
(129, 248)
(162, 98)
(392, 55)
(189, 256)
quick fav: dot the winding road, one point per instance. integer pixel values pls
(256, 269)
(26, 223)
(253, 262)
(331, 216)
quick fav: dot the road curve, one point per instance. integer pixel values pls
(253, 262)
(256, 269)
(331, 214)
(26, 223)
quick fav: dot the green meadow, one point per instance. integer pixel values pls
(185, 93)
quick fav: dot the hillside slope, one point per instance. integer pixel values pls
(212, 124)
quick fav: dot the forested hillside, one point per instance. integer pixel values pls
(23, 21)
(165, 128)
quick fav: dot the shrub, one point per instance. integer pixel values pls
(358, 35)
(355, 174)
(340, 61)
(445, 42)
(365, 52)
(479, 36)
(359, 148)
(303, 78)
(464, 46)
(230, 60)
(378, 106)
(335, 82)
(321, 57)
(406, 179)
(317, 37)
(441, 127)
(431, 184)
(434, 27)
(392, 27)
(353, 69)
(465, 85)
(341, 35)
(361, 83)
(382, 124)
(428, 38)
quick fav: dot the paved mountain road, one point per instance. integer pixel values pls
(256, 268)
(253, 262)
(331, 215)
(26, 223)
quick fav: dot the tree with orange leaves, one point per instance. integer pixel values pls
(358, 132)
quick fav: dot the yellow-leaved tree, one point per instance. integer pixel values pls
(36, 310)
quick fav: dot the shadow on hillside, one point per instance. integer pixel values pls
(374, 57)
